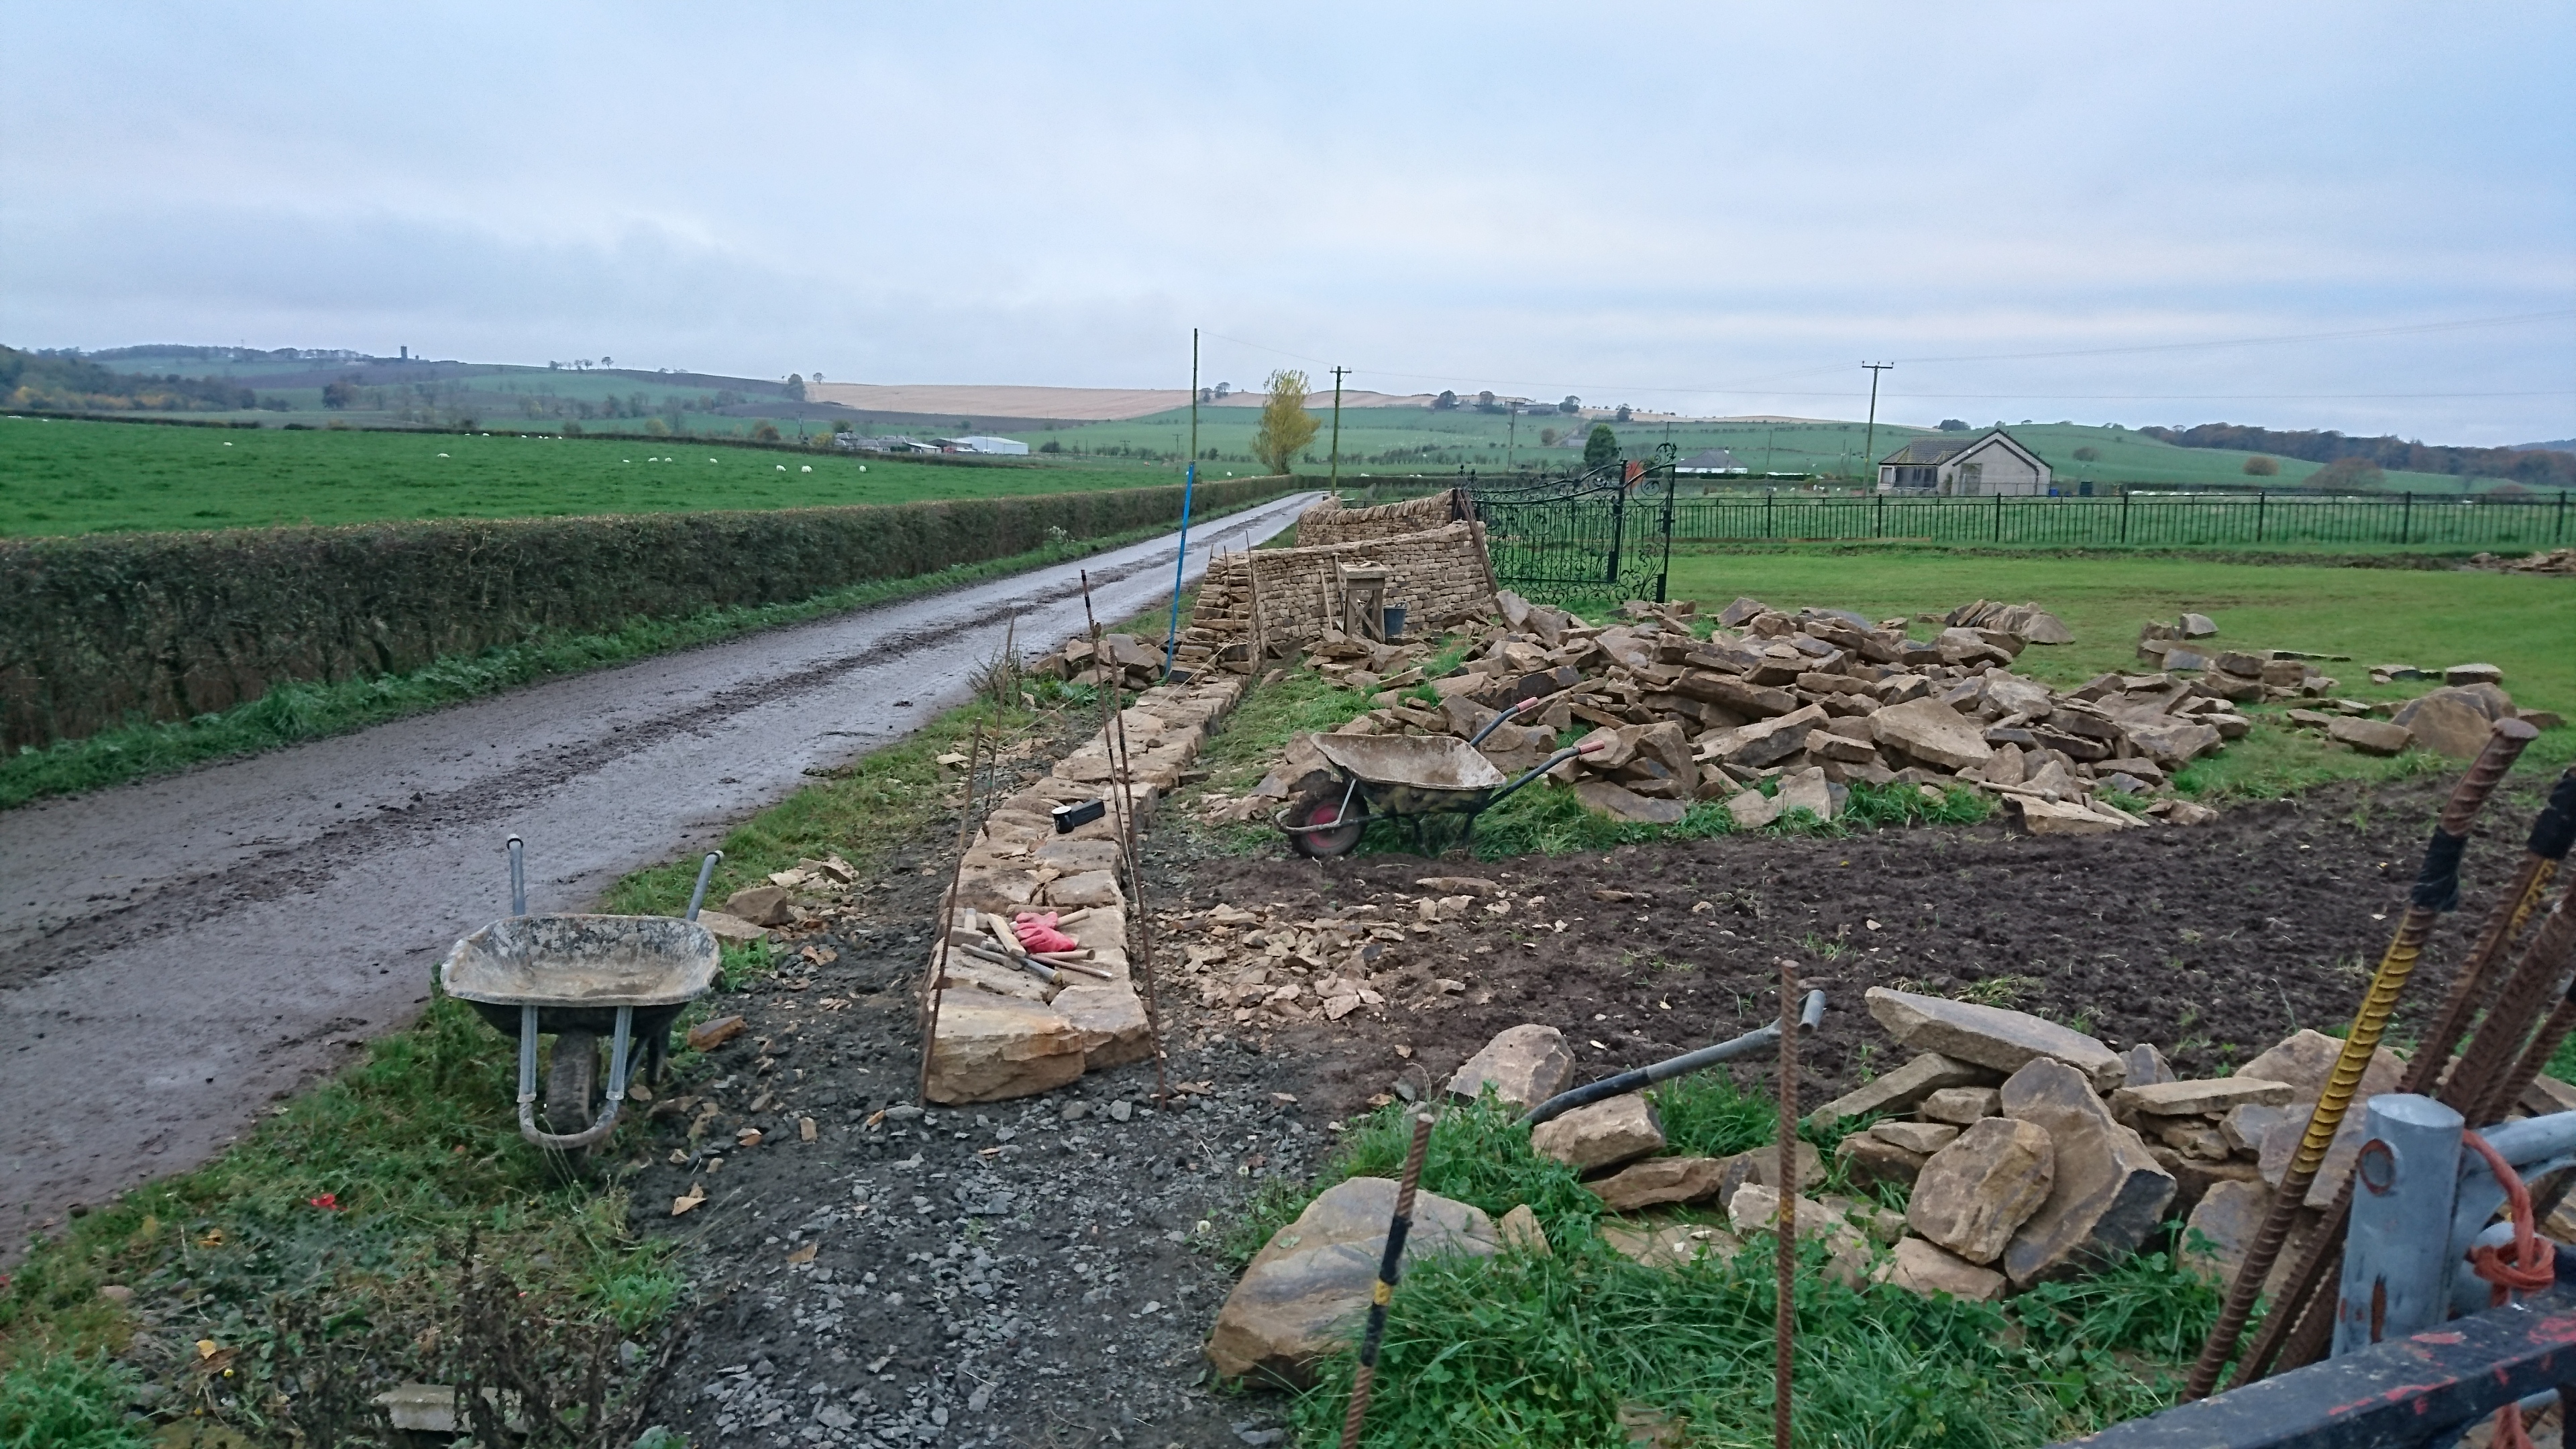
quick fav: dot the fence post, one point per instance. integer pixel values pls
(2124, 513)
(2259, 499)
(2406, 518)
(1880, 526)
(2558, 530)
(1999, 518)
(2400, 1230)
(1767, 525)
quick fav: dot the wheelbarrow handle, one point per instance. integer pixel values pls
(1501, 716)
(706, 872)
(517, 850)
(619, 1041)
(1550, 763)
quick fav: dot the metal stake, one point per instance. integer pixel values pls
(1784, 1324)
(948, 912)
(1390, 1266)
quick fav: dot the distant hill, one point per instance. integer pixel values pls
(2539, 467)
(71, 384)
(2561, 445)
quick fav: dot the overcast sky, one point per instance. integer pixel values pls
(2035, 210)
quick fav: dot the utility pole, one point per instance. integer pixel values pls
(1512, 434)
(1338, 374)
(1869, 445)
(1194, 398)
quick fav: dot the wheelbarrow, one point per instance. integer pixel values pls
(577, 978)
(1406, 778)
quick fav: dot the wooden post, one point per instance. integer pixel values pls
(1260, 632)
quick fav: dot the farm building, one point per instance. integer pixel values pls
(1990, 463)
(1710, 460)
(1004, 446)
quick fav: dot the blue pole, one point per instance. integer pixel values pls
(1172, 636)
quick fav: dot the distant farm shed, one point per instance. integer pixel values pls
(1710, 460)
(1006, 447)
(1962, 467)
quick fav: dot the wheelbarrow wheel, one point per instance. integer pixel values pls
(572, 1087)
(1327, 810)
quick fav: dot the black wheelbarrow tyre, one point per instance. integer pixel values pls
(1326, 810)
(572, 1090)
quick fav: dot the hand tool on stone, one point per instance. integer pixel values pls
(2437, 889)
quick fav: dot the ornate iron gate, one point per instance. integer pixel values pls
(1603, 534)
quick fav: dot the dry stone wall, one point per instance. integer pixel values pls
(1329, 522)
(1292, 595)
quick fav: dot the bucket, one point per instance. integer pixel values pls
(1394, 621)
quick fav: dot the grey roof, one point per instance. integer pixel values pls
(1923, 451)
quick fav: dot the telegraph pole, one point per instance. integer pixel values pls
(1512, 435)
(1338, 374)
(1194, 397)
(1869, 444)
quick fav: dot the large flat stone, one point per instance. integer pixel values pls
(1525, 1065)
(2170, 742)
(2306, 1058)
(1901, 1089)
(1669, 1245)
(1305, 1292)
(2445, 722)
(990, 1048)
(1928, 1270)
(1930, 731)
(1991, 1036)
(1868, 1160)
(1603, 1134)
(2371, 736)
(1961, 1106)
(1621, 803)
(1976, 1192)
(2209, 1098)
(1111, 1021)
(2108, 1192)
(1659, 1180)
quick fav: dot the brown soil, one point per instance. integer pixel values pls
(2211, 942)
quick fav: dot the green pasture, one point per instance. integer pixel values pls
(1386, 440)
(63, 477)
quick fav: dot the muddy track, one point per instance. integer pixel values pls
(176, 952)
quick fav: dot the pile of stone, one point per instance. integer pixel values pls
(2453, 719)
(1270, 967)
(2550, 561)
(1005, 1031)
(1776, 711)
(1124, 659)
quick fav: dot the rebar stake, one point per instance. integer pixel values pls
(948, 916)
(1390, 1265)
(1785, 1314)
(1140, 938)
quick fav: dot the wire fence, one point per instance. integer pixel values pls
(2258, 520)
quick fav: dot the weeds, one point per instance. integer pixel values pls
(67, 1401)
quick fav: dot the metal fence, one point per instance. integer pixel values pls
(1601, 534)
(2265, 520)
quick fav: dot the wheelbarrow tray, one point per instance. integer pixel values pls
(1432, 763)
(578, 970)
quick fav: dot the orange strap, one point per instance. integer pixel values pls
(2528, 1265)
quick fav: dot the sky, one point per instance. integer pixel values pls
(2351, 215)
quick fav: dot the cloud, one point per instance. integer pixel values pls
(1723, 204)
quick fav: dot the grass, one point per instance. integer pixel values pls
(292, 712)
(1551, 1349)
(64, 477)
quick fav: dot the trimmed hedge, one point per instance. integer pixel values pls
(107, 628)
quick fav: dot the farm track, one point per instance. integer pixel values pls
(178, 952)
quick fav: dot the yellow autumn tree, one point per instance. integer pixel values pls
(1286, 428)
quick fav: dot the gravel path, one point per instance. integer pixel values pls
(176, 952)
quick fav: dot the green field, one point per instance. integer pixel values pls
(63, 477)
(1387, 440)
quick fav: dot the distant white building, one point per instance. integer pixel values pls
(1963, 467)
(1004, 447)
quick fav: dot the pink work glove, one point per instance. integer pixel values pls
(1038, 933)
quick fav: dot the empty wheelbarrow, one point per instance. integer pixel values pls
(1406, 778)
(578, 978)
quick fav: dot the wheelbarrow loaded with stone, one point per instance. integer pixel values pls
(1412, 779)
(579, 978)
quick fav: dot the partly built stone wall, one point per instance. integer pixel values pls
(1329, 522)
(1293, 594)
(1003, 1032)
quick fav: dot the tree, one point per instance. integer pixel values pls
(1622, 414)
(2259, 466)
(1953, 425)
(1547, 437)
(766, 432)
(1286, 427)
(1601, 447)
(2347, 475)
(1572, 404)
(2088, 455)
(1446, 400)
(339, 394)
(795, 387)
